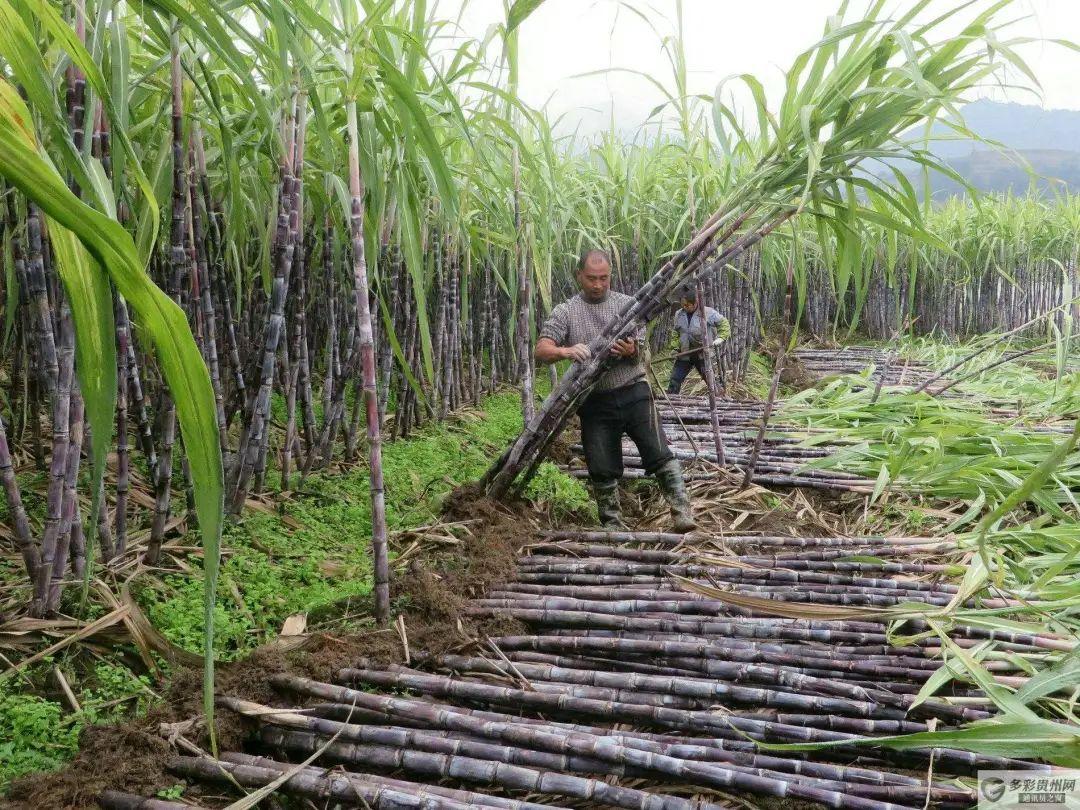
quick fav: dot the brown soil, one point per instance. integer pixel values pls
(432, 595)
(109, 756)
(795, 376)
(429, 596)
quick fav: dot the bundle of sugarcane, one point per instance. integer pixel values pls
(848, 98)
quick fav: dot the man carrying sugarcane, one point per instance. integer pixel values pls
(621, 402)
(692, 336)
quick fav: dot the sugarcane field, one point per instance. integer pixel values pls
(647, 404)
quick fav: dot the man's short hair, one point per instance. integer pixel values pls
(688, 294)
(589, 255)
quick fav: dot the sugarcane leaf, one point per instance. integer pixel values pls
(411, 242)
(1002, 697)
(87, 288)
(146, 228)
(410, 108)
(948, 671)
(883, 479)
(1035, 739)
(19, 48)
(1062, 676)
(520, 11)
(970, 513)
(1038, 476)
(205, 21)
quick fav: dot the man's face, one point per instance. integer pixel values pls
(689, 306)
(595, 279)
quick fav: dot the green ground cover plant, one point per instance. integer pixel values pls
(309, 555)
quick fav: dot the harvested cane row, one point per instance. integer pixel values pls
(779, 461)
(627, 689)
(888, 368)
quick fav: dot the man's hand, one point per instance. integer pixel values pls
(624, 348)
(578, 352)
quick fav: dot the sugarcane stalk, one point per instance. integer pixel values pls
(466, 797)
(710, 382)
(671, 539)
(71, 544)
(366, 348)
(539, 738)
(24, 538)
(524, 301)
(177, 264)
(123, 453)
(44, 324)
(471, 769)
(350, 790)
(259, 412)
(143, 432)
(51, 536)
(207, 309)
(781, 356)
(422, 740)
(525, 453)
(629, 684)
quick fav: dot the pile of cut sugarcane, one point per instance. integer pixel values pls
(886, 367)
(649, 666)
(780, 461)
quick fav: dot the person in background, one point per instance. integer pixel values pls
(622, 401)
(691, 340)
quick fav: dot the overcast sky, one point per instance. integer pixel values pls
(565, 38)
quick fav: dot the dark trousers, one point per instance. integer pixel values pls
(606, 416)
(682, 368)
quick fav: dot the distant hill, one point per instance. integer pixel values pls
(1049, 140)
(1057, 170)
(1022, 127)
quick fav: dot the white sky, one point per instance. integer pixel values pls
(565, 38)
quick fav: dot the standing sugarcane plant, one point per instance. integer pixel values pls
(850, 98)
(364, 349)
(177, 266)
(92, 250)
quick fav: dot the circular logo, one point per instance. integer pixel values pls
(993, 788)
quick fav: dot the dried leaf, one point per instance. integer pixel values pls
(295, 625)
(790, 610)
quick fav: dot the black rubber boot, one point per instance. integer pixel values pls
(606, 494)
(670, 479)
